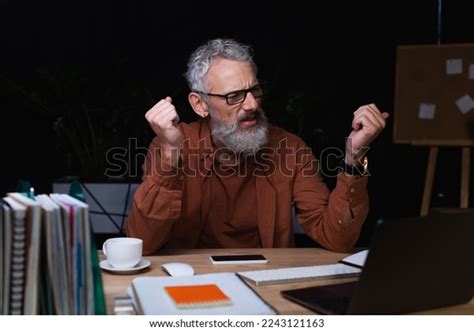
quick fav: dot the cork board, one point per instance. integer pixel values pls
(434, 95)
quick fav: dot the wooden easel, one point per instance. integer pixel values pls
(465, 175)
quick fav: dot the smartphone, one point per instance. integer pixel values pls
(238, 259)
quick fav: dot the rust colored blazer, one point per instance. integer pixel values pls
(171, 204)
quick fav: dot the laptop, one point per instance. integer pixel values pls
(413, 264)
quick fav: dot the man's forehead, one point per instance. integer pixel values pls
(230, 75)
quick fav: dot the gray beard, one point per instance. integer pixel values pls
(245, 142)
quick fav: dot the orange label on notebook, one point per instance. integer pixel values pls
(197, 296)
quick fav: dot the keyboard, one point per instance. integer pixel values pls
(299, 274)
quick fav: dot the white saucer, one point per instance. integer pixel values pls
(140, 266)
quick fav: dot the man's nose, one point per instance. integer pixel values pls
(250, 103)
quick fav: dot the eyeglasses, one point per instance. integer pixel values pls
(237, 97)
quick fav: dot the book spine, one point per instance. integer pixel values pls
(33, 236)
(17, 267)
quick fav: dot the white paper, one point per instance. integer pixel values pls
(454, 66)
(357, 259)
(426, 111)
(465, 104)
(471, 71)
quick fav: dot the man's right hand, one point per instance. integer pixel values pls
(164, 119)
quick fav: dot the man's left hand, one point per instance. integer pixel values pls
(367, 124)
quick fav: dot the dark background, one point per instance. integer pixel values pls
(76, 78)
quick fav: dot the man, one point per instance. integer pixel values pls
(230, 179)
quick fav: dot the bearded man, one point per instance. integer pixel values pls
(231, 180)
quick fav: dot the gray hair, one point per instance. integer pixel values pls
(201, 60)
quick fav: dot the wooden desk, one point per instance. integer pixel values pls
(116, 285)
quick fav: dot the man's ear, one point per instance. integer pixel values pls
(196, 101)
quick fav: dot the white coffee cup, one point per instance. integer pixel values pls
(123, 252)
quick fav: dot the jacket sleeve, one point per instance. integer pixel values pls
(157, 202)
(333, 219)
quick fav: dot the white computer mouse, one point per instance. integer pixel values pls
(178, 269)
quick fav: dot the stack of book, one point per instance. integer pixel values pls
(48, 260)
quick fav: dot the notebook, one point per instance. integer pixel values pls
(356, 260)
(151, 297)
(413, 264)
(15, 251)
(2, 243)
(197, 296)
(33, 229)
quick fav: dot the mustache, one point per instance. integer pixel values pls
(251, 116)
